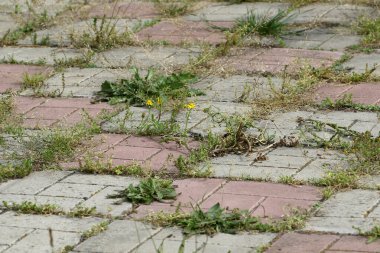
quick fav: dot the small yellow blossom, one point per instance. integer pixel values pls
(149, 102)
(190, 106)
(158, 101)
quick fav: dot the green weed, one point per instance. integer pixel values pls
(139, 89)
(13, 171)
(33, 81)
(370, 29)
(81, 211)
(262, 25)
(147, 191)
(346, 103)
(169, 8)
(28, 207)
(95, 230)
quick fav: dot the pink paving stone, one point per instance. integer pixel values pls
(166, 158)
(11, 74)
(272, 190)
(136, 141)
(330, 91)
(25, 104)
(177, 32)
(365, 93)
(132, 153)
(125, 10)
(75, 103)
(251, 60)
(279, 207)
(80, 115)
(355, 243)
(144, 210)
(49, 113)
(106, 141)
(38, 123)
(231, 201)
(302, 243)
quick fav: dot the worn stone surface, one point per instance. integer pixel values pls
(359, 63)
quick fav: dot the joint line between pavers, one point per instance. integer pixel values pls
(142, 242)
(59, 180)
(92, 195)
(254, 208)
(371, 209)
(307, 164)
(332, 243)
(22, 237)
(43, 102)
(205, 197)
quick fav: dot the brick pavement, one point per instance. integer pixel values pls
(262, 186)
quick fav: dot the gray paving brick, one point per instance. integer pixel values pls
(39, 241)
(107, 206)
(291, 162)
(370, 181)
(318, 168)
(34, 183)
(10, 235)
(71, 190)
(362, 126)
(121, 236)
(105, 180)
(360, 62)
(354, 203)
(340, 225)
(58, 223)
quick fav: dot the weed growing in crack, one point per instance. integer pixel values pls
(28, 207)
(33, 81)
(262, 25)
(102, 35)
(370, 29)
(373, 235)
(169, 8)
(13, 171)
(95, 230)
(138, 89)
(147, 191)
(345, 103)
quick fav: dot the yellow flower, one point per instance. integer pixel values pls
(158, 101)
(190, 106)
(149, 102)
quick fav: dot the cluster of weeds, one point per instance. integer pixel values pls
(28, 207)
(95, 230)
(138, 89)
(102, 35)
(12, 60)
(80, 62)
(370, 29)
(262, 25)
(170, 8)
(13, 171)
(346, 103)
(92, 165)
(337, 180)
(147, 191)
(34, 82)
(218, 220)
(8, 120)
(373, 235)
(49, 147)
(30, 23)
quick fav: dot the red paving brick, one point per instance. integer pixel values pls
(302, 243)
(11, 75)
(132, 153)
(355, 243)
(274, 60)
(177, 32)
(326, 243)
(231, 201)
(363, 93)
(125, 10)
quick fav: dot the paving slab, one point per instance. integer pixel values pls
(231, 12)
(275, 60)
(346, 211)
(7, 23)
(65, 34)
(39, 55)
(337, 14)
(179, 32)
(322, 39)
(146, 57)
(121, 236)
(359, 63)
(124, 9)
